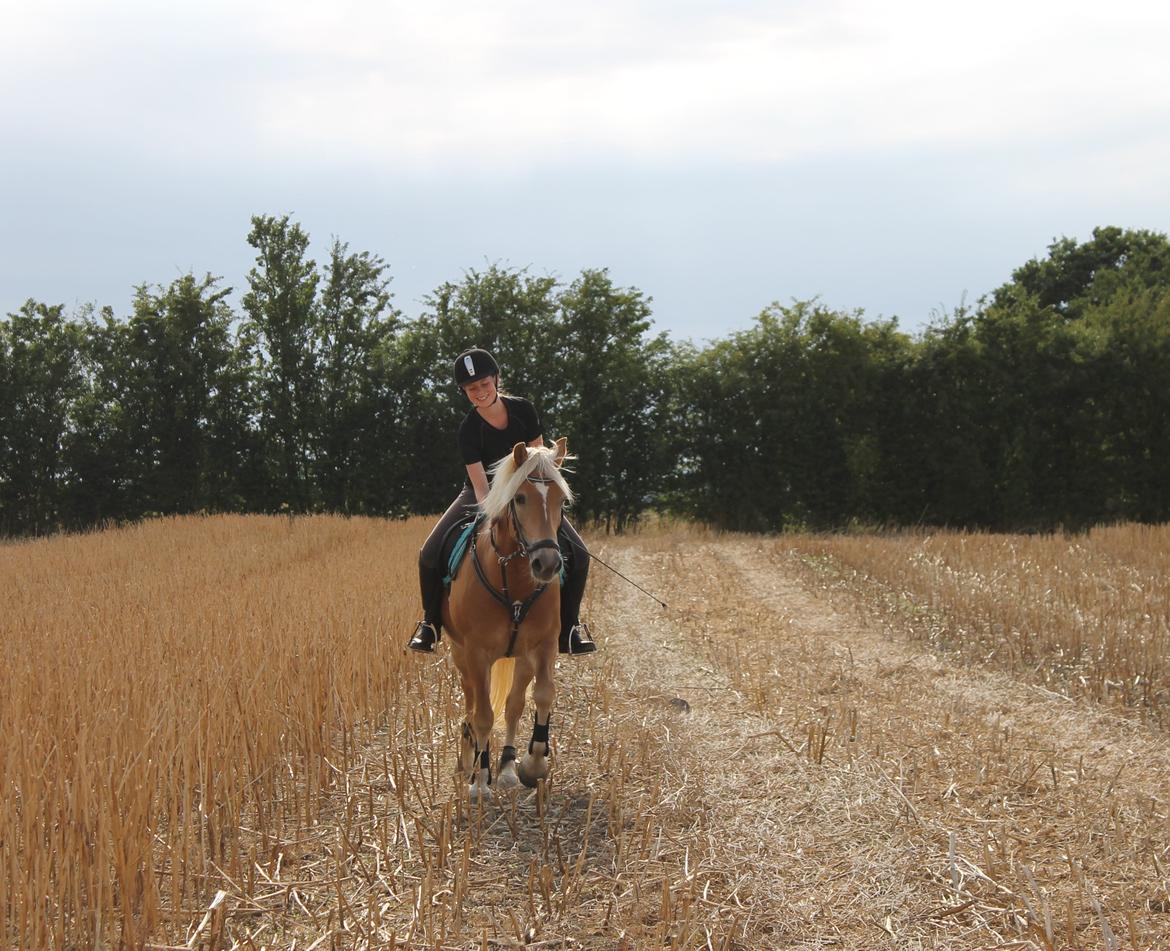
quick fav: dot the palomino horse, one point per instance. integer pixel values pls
(503, 615)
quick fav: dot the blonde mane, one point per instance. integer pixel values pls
(507, 479)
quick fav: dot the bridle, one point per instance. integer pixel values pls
(526, 547)
(517, 609)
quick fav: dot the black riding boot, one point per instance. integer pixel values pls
(429, 629)
(426, 635)
(575, 637)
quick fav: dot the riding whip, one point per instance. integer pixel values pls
(624, 578)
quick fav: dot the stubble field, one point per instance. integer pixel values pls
(211, 737)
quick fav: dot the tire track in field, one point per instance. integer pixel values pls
(866, 791)
(776, 826)
(1063, 802)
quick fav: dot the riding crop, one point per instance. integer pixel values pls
(624, 578)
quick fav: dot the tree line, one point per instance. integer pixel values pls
(1046, 405)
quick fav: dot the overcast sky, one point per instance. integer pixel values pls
(887, 156)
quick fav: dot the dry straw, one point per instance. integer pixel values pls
(212, 739)
(1084, 615)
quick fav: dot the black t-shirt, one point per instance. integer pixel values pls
(480, 441)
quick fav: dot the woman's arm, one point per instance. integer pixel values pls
(479, 481)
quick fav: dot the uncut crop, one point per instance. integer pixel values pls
(1084, 615)
(177, 698)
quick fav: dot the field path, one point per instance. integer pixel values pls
(858, 791)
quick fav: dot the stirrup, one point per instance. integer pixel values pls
(578, 641)
(425, 637)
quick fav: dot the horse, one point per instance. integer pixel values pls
(503, 618)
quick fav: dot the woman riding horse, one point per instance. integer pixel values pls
(503, 615)
(492, 427)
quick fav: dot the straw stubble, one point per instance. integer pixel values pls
(212, 738)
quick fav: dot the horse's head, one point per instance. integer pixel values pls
(527, 494)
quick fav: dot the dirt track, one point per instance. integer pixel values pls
(855, 791)
(763, 765)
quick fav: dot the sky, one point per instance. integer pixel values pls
(896, 158)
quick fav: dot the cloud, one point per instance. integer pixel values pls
(414, 88)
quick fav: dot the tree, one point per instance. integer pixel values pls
(1049, 341)
(514, 316)
(281, 335)
(1075, 276)
(43, 380)
(354, 325)
(508, 312)
(184, 410)
(948, 439)
(7, 401)
(1125, 346)
(612, 397)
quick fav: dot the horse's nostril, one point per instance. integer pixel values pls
(546, 564)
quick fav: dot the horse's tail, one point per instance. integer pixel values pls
(502, 671)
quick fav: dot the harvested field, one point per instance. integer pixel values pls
(211, 738)
(1086, 615)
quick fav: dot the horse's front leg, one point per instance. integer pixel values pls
(534, 765)
(480, 728)
(506, 776)
(473, 764)
(467, 752)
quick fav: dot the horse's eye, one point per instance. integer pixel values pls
(520, 500)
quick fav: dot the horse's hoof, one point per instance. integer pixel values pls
(507, 779)
(532, 773)
(479, 794)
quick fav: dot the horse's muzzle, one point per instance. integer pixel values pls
(544, 558)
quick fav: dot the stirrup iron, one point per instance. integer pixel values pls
(578, 641)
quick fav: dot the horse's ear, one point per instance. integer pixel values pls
(519, 453)
(562, 450)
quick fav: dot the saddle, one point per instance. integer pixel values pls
(458, 539)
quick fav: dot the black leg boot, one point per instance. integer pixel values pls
(575, 637)
(427, 634)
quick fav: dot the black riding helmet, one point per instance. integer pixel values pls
(474, 364)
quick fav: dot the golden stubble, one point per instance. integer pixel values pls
(1084, 615)
(211, 737)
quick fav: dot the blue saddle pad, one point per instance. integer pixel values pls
(458, 551)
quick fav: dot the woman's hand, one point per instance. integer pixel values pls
(479, 481)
